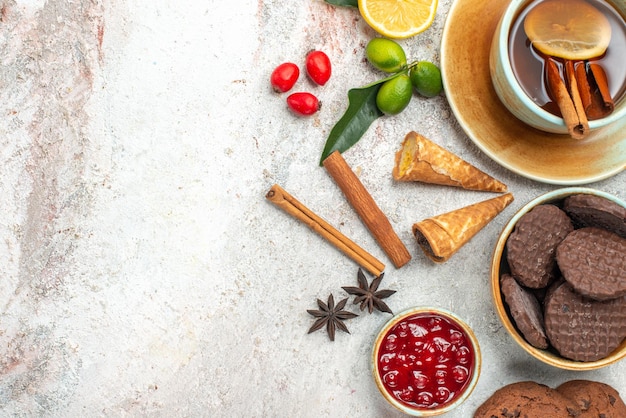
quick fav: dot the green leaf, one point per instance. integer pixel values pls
(347, 3)
(361, 112)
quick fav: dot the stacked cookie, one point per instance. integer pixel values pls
(566, 289)
(575, 398)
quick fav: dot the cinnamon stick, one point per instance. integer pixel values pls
(585, 89)
(601, 81)
(576, 127)
(594, 90)
(278, 196)
(575, 95)
(367, 209)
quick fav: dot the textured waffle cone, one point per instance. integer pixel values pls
(443, 235)
(420, 159)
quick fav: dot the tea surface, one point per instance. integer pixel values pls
(529, 66)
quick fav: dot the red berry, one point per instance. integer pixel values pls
(318, 67)
(303, 104)
(442, 394)
(284, 77)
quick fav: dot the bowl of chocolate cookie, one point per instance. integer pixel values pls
(558, 278)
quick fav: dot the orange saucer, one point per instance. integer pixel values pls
(544, 157)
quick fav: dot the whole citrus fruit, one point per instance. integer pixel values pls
(385, 55)
(426, 78)
(394, 95)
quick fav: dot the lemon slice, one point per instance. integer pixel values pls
(573, 30)
(398, 19)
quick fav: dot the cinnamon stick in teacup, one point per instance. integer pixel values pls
(584, 87)
(574, 118)
(574, 93)
(594, 90)
(599, 77)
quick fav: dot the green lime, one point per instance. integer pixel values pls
(386, 55)
(394, 95)
(426, 78)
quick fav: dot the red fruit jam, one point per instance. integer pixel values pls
(426, 361)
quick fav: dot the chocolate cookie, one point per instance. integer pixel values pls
(527, 399)
(532, 244)
(525, 310)
(590, 210)
(595, 399)
(593, 260)
(583, 329)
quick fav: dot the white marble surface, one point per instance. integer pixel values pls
(144, 273)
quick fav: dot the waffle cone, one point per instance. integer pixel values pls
(443, 235)
(420, 159)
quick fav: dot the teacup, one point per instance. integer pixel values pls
(511, 93)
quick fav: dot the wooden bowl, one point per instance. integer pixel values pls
(499, 266)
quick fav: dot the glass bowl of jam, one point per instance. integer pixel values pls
(426, 361)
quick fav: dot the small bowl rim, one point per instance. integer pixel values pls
(504, 29)
(468, 332)
(545, 356)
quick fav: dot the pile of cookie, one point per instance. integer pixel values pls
(575, 398)
(566, 283)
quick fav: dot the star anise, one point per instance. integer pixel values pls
(369, 295)
(330, 315)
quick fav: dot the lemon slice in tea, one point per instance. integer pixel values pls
(572, 29)
(398, 19)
